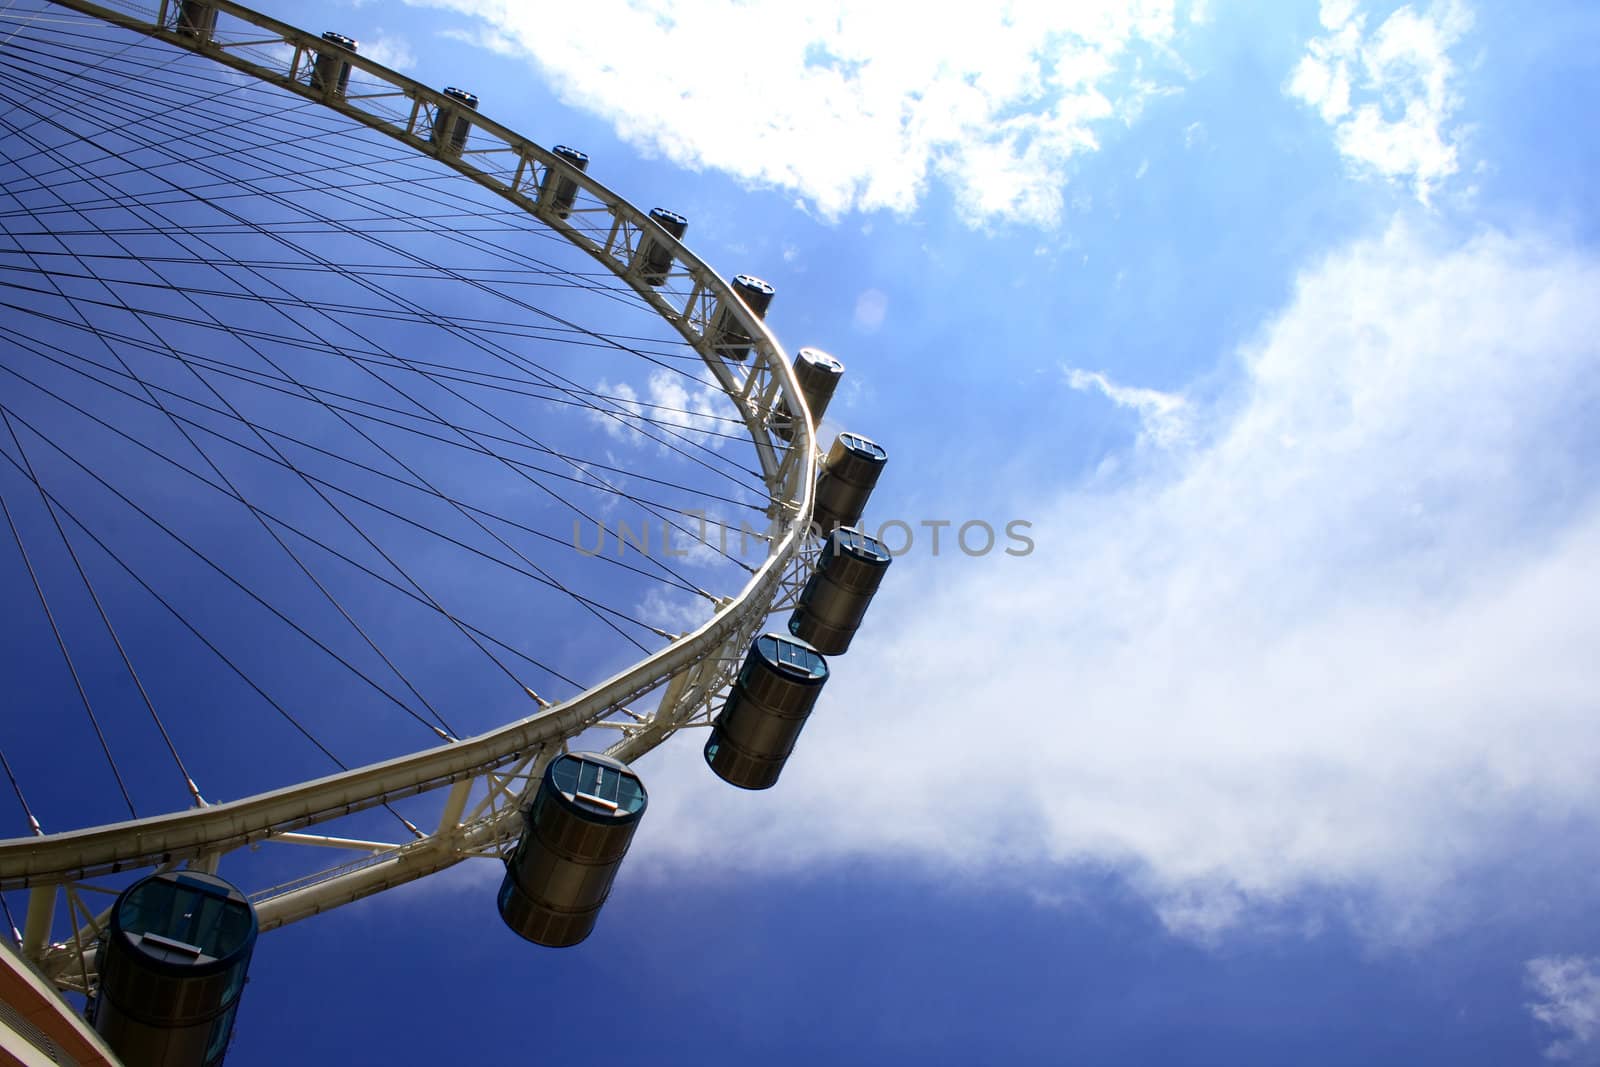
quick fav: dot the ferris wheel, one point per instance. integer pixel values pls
(371, 466)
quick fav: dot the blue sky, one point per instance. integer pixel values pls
(1277, 324)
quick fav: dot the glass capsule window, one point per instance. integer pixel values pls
(598, 787)
(865, 447)
(861, 544)
(221, 1031)
(792, 656)
(190, 912)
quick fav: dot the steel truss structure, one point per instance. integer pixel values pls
(479, 784)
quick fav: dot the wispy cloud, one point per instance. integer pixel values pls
(1163, 417)
(620, 414)
(673, 405)
(872, 307)
(674, 611)
(1342, 645)
(1390, 94)
(854, 106)
(1569, 992)
(391, 50)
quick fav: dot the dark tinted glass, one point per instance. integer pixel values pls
(565, 774)
(861, 544)
(195, 913)
(581, 778)
(799, 658)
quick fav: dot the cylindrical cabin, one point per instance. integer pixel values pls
(172, 967)
(197, 20)
(765, 711)
(558, 191)
(818, 374)
(848, 476)
(330, 74)
(573, 840)
(452, 123)
(731, 340)
(653, 258)
(838, 592)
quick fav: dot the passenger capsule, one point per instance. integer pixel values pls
(653, 258)
(197, 20)
(731, 340)
(172, 966)
(573, 840)
(818, 374)
(765, 711)
(451, 123)
(849, 474)
(838, 592)
(558, 192)
(330, 75)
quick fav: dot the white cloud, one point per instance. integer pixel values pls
(675, 406)
(689, 405)
(1389, 95)
(619, 415)
(854, 106)
(391, 50)
(675, 611)
(1339, 647)
(1163, 417)
(872, 307)
(1570, 1005)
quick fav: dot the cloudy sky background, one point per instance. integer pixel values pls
(1277, 325)
(1279, 329)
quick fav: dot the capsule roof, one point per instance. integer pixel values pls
(185, 921)
(342, 41)
(791, 656)
(571, 155)
(864, 447)
(818, 358)
(853, 542)
(661, 214)
(596, 786)
(470, 99)
(750, 281)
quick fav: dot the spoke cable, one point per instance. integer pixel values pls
(61, 642)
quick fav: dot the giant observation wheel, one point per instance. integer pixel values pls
(316, 381)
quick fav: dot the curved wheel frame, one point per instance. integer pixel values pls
(506, 762)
